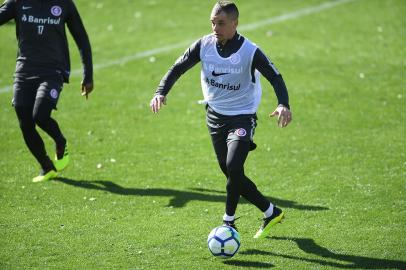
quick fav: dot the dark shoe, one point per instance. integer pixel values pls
(231, 224)
(268, 222)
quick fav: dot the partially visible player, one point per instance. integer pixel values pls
(231, 88)
(43, 65)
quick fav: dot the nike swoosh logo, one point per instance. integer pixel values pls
(217, 74)
(24, 8)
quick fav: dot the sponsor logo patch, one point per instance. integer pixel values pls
(235, 59)
(241, 132)
(54, 94)
(56, 11)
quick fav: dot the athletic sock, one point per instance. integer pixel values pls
(228, 218)
(269, 211)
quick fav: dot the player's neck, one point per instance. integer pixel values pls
(225, 41)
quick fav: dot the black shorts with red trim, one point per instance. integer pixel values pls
(231, 128)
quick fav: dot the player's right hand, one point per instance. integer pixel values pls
(156, 103)
(86, 88)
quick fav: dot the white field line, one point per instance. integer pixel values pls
(242, 28)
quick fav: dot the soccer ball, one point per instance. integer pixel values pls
(223, 241)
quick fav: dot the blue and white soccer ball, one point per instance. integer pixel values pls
(223, 241)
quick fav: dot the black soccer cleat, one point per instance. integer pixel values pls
(231, 224)
(268, 222)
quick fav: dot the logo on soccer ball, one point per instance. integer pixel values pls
(54, 94)
(240, 132)
(235, 59)
(56, 11)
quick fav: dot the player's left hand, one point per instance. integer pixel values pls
(156, 102)
(87, 88)
(284, 115)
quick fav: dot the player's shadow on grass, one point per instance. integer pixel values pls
(280, 202)
(178, 198)
(248, 264)
(330, 258)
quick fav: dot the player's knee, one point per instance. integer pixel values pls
(223, 167)
(235, 178)
(26, 125)
(234, 184)
(249, 187)
(39, 118)
(42, 111)
(25, 120)
(231, 185)
(234, 169)
(235, 174)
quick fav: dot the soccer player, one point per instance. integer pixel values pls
(43, 65)
(232, 91)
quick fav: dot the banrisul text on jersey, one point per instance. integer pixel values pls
(32, 19)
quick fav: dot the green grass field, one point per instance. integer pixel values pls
(339, 169)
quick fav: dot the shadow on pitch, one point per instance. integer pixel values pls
(279, 202)
(178, 198)
(340, 260)
(248, 264)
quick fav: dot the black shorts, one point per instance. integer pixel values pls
(231, 128)
(27, 90)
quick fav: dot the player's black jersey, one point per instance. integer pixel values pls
(259, 62)
(42, 43)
